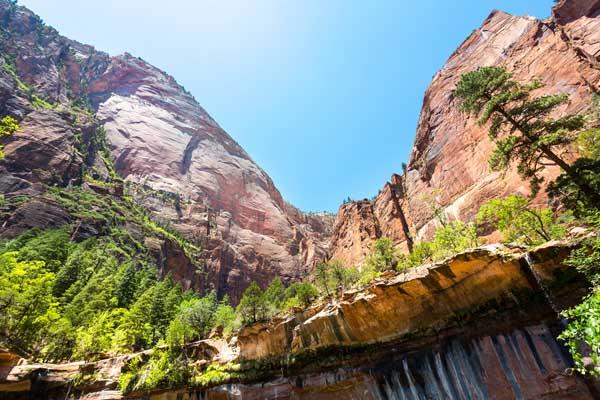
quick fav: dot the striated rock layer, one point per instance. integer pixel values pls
(193, 175)
(477, 326)
(524, 363)
(449, 161)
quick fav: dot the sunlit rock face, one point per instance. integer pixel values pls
(425, 300)
(481, 325)
(161, 139)
(449, 160)
(524, 363)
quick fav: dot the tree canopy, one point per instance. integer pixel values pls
(523, 125)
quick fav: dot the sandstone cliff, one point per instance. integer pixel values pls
(175, 159)
(448, 163)
(479, 325)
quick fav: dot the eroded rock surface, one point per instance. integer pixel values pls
(196, 177)
(478, 325)
(449, 161)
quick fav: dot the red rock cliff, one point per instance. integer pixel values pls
(177, 161)
(449, 160)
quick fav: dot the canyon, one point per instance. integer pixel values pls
(448, 166)
(481, 324)
(184, 169)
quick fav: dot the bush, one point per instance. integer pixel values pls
(518, 222)
(8, 126)
(300, 294)
(383, 256)
(583, 332)
(453, 238)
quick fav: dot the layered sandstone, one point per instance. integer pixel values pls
(449, 162)
(481, 324)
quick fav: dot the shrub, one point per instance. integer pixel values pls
(519, 222)
(383, 256)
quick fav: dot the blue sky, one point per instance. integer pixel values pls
(323, 94)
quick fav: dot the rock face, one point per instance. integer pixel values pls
(160, 139)
(524, 363)
(476, 326)
(449, 160)
(430, 298)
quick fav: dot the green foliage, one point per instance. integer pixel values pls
(164, 368)
(8, 126)
(197, 316)
(27, 90)
(323, 279)
(96, 338)
(213, 375)
(588, 144)
(252, 306)
(522, 126)
(383, 257)
(583, 332)
(422, 253)
(367, 274)
(62, 299)
(300, 294)
(51, 246)
(27, 308)
(452, 238)
(226, 317)
(569, 192)
(518, 222)
(334, 277)
(586, 259)
(274, 295)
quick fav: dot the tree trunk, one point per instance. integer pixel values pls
(589, 192)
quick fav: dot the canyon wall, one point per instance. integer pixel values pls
(480, 325)
(181, 165)
(449, 161)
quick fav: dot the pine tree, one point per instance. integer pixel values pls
(521, 125)
(252, 304)
(323, 278)
(274, 293)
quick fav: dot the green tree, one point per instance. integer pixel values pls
(198, 314)
(323, 278)
(96, 339)
(300, 293)
(252, 305)
(519, 222)
(588, 143)
(343, 277)
(274, 295)
(422, 253)
(179, 333)
(383, 256)
(27, 307)
(521, 125)
(51, 246)
(452, 238)
(588, 166)
(225, 316)
(8, 126)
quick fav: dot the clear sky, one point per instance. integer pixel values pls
(323, 94)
